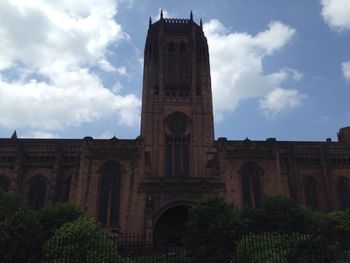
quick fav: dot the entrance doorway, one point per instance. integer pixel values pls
(170, 227)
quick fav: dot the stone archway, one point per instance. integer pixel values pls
(169, 228)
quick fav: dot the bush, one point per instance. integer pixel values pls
(24, 231)
(337, 225)
(80, 241)
(211, 230)
(277, 247)
(55, 216)
(10, 203)
(21, 237)
(280, 213)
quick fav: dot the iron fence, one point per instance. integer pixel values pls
(136, 248)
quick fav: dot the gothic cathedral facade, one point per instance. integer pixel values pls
(146, 184)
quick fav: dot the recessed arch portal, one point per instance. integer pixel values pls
(169, 227)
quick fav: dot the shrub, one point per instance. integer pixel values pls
(55, 216)
(294, 247)
(211, 230)
(21, 237)
(80, 241)
(279, 213)
(10, 203)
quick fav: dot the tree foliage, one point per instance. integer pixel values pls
(81, 240)
(21, 237)
(24, 231)
(55, 216)
(211, 230)
(280, 213)
(291, 247)
(10, 202)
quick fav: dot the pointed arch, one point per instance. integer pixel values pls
(251, 187)
(310, 192)
(109, 194)
(37, 191)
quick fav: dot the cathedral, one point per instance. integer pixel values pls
(146, 184)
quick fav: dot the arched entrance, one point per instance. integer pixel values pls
(170, 226)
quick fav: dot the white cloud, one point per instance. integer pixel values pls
(280, 100)
(41, 135)
(336, 13)
(346, 69)
(296, 75)
(236, 64)
(166, 14)
(105, 135)
(53, 46)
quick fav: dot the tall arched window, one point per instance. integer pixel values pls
(178, 67)
(66, 188)
(36, 195)
(250, 174)
(177, 146)
(4, 183)
(109, 196)
(343, 192)
(171, 65)
(310, 192)
(183, 63)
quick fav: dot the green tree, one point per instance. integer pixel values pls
(53, 217)
(21, 237)
(280, 213)
(212, 229)
(81, 240)
(10, 203)
(336, 225)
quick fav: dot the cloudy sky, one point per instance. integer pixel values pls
(69, 69)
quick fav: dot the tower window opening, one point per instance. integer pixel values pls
(183, 63)
(178, 70)
(177, 156)
(171, 66)
(177, 146)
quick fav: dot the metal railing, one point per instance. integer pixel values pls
(136, 248)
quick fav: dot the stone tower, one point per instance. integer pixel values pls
(177, 112)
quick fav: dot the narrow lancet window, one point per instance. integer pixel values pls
(310, 192)
(250, 174)
(36, 195)
(109, 197)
